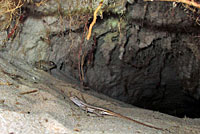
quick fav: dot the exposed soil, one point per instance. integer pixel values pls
(147, 57)
(141, 53)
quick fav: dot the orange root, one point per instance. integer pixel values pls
(94, 20)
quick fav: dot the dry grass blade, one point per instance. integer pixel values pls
(9, 9)
(10, 6)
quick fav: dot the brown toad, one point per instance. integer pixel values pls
(46, 66)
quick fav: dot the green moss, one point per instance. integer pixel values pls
(113, 23)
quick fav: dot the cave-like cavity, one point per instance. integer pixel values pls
(145, 54)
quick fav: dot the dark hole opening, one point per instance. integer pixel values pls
(146, 65)
(152, 78)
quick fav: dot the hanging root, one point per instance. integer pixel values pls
(10, 10)
(94, 20)
(188, 2)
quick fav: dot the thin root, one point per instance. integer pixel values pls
(94, 20)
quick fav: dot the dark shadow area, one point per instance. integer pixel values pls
(140, 62)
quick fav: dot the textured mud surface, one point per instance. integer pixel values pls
(49, 110)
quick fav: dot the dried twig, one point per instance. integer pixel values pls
(7, 83)
(101, 111)
(28, 92)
